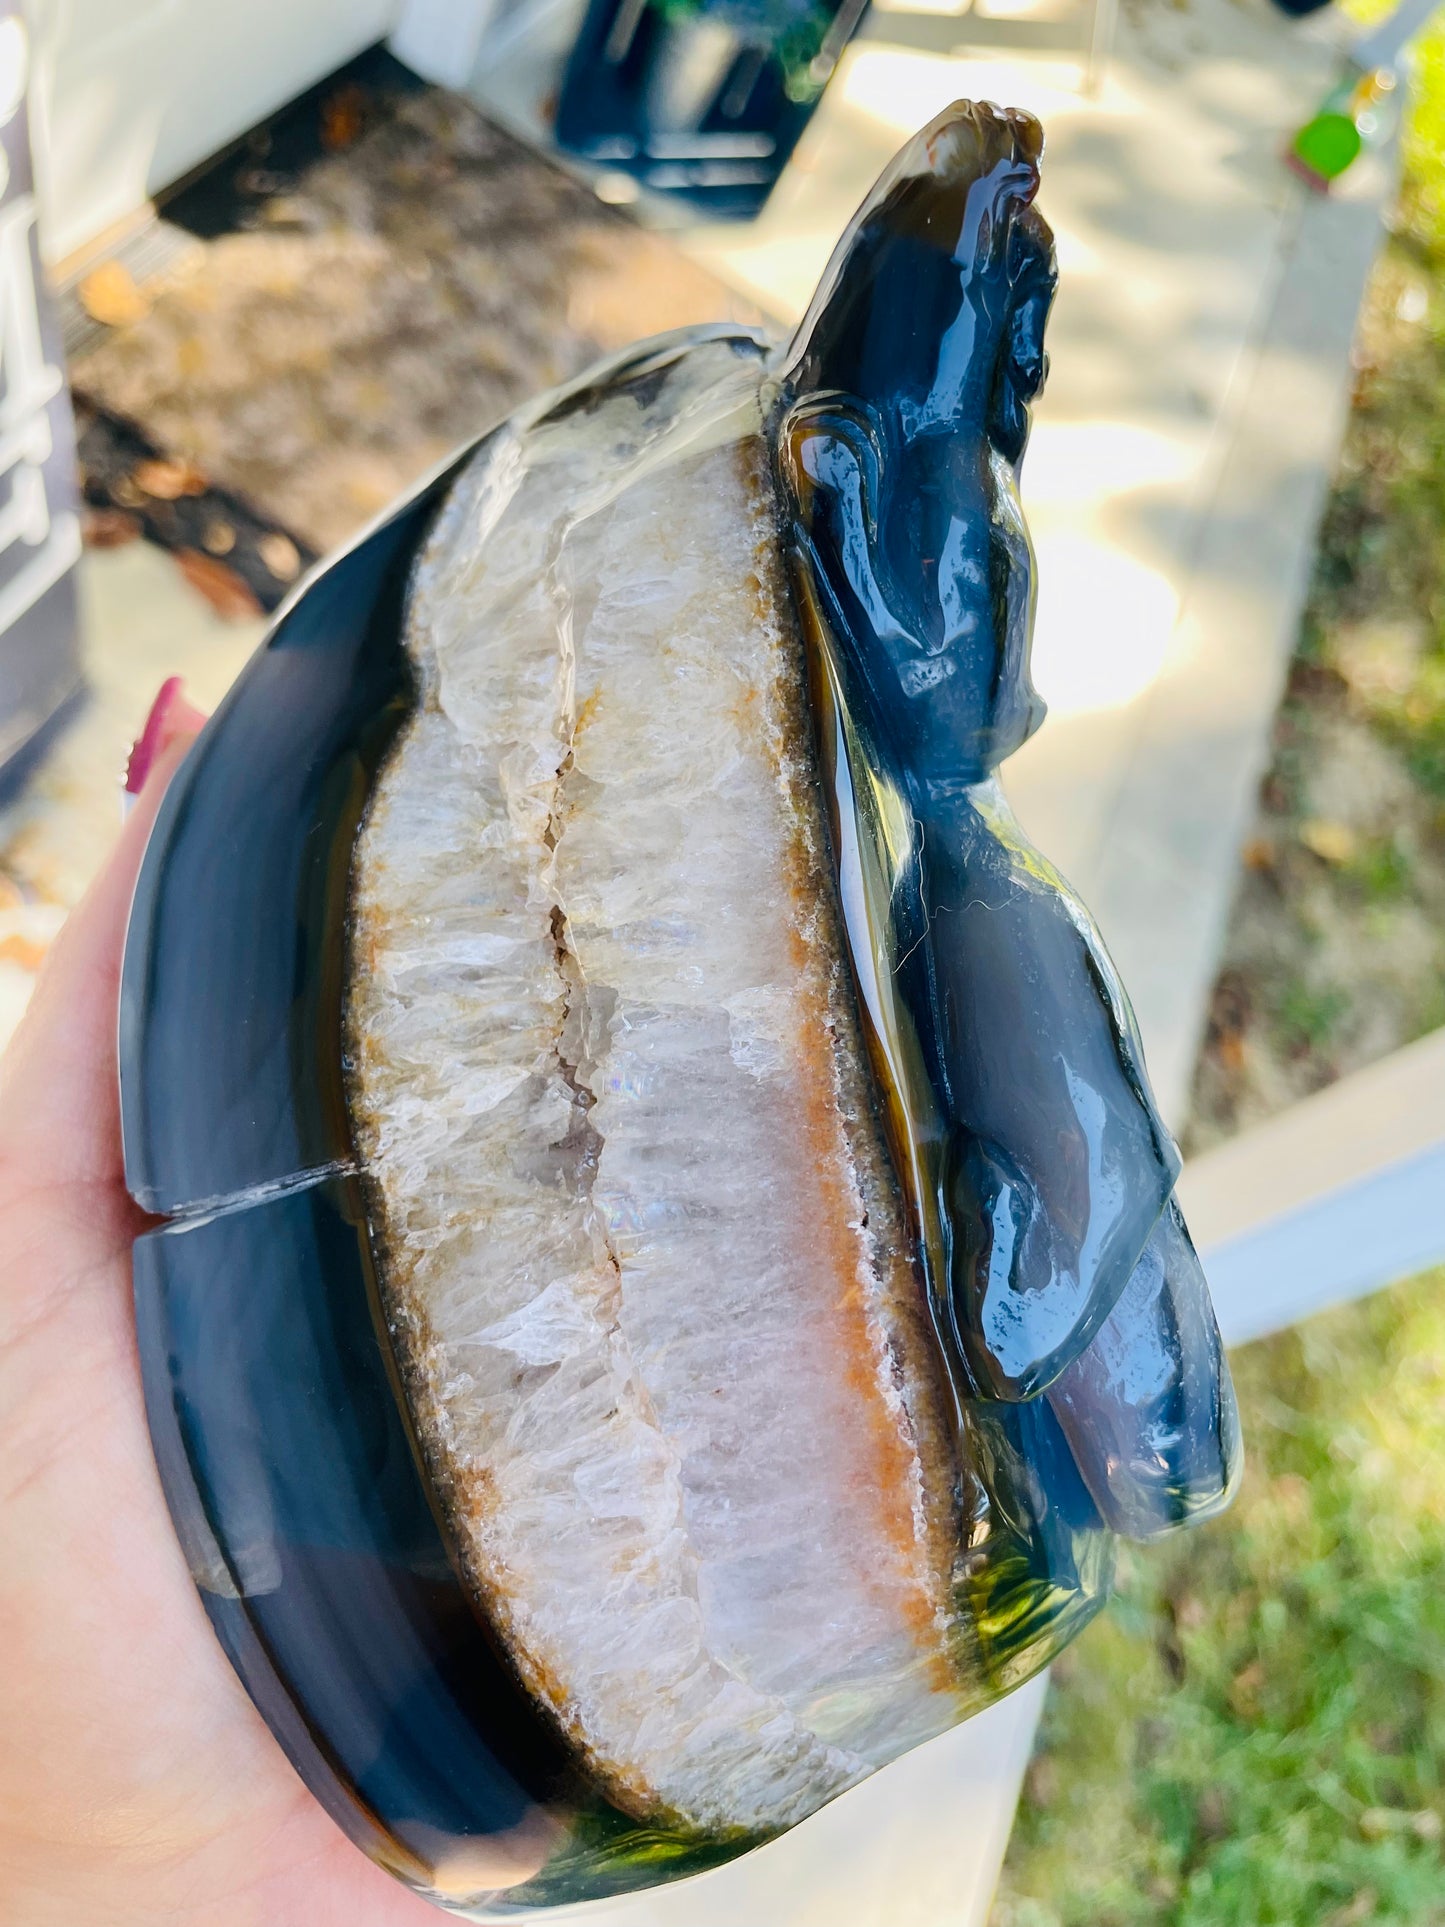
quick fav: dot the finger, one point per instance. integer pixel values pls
(59, 1099)
(171, 717)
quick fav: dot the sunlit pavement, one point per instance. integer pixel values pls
(1200, 370)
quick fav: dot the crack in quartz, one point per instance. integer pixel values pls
(581, 1148)
(198, 1211)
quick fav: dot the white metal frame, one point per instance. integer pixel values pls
(1337, 1196)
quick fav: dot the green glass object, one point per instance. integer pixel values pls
(1349, 119)
(1328, 144)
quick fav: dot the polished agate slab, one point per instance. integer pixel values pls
(672, 1285)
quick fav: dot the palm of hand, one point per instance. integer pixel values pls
(137, 1783)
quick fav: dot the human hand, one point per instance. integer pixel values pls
(138, 1784)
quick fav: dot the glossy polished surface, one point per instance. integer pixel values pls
(1023, 1128)
(1148, 1408)
(673, 1285)
(233, 972)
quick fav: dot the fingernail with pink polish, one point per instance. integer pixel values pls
(170, 716)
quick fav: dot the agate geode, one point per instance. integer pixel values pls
(673, 1284)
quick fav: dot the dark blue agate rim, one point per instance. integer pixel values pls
(298, 1498)
(232, 980)
(273, 1392)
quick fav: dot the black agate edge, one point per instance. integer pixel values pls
(275, 1400)
(292, 1472)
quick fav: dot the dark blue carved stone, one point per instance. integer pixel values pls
(1024, 1131)
(1092, 1396)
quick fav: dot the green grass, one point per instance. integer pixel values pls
(1381, 871)
(1255, 1732)
(1416, 722)
(1424, 140)
(1305, 1018)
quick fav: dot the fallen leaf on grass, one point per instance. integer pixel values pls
(109, 528)
(1229, 1049)
(226, 592)
(1041, 1781)
(168, 481)
(1331, 842)
(1378, 1823)
(1354, 1912)
(110, 296)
